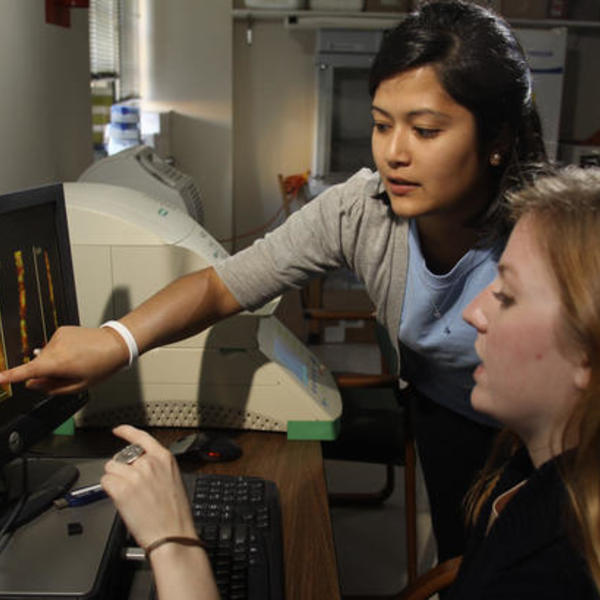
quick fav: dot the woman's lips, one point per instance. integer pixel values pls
(401, 187)
(478, 371)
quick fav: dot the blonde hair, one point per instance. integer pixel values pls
(565, 207)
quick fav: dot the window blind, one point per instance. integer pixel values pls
(114, 44)
(104, 38)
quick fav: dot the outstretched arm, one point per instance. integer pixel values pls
(77, 357)
(151, 499)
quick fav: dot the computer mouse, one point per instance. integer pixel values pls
(220, 448)
(212, 447)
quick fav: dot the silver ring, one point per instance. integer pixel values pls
(129, 454)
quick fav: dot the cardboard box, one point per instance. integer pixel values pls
(584, 10)
(493, 5)
(524, 9)
(388, 5)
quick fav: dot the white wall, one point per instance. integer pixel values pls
(187, 67)
(45, 118)
(274, 109)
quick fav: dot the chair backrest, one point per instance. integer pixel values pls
(388, 354)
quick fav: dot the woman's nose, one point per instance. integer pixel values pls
(474, 314)
(397, 150)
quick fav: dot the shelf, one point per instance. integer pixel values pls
(316, 19)
(269, 14)
(373, 20)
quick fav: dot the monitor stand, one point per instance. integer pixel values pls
(67, 553)
(46, 479)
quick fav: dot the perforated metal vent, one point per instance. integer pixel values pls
(177, 414)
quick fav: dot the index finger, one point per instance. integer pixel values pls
(21, 373)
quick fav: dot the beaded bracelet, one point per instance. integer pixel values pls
(173, 539)
(126, 336)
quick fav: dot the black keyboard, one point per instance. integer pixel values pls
(239, 520)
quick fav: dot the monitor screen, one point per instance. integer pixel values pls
(37, 294)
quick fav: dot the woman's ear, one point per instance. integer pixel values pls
(582, 374)
(502, 144)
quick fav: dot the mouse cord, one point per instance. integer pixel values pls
(5, 532)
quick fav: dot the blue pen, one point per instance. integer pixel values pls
(81, 496)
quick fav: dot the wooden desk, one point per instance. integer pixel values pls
(296, 467)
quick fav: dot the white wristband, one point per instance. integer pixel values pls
(126, 336)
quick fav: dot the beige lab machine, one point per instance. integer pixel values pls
(248, 372)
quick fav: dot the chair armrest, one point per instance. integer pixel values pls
(325, 314)
(433, 581)
(364, 380)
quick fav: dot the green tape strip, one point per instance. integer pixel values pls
(313, 430)
(67, 428)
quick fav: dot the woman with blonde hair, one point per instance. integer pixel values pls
(536, 523)
(535, 510)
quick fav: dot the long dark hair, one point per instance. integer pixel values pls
(482, 66)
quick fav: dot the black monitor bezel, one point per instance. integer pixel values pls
(26, 429)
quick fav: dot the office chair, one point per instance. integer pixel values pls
(433, 581)
(375, 428)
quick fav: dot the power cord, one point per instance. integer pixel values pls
(261, 229)
(290, 188)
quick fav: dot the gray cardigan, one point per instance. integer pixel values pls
(349, 225)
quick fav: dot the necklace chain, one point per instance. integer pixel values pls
(437, 313)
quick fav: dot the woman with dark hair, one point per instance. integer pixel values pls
(481, 68)
(453, 125)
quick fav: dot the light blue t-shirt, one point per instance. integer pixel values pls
(438, 357)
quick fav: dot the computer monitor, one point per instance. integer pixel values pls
(37, 295)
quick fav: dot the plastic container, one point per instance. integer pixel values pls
(123, 113)
(124, 131)
(122, 136)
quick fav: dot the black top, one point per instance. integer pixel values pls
(529, 551)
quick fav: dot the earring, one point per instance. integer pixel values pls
(495, 159)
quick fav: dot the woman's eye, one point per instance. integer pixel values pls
(504, 299)
(380, 127)
(426, 132)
